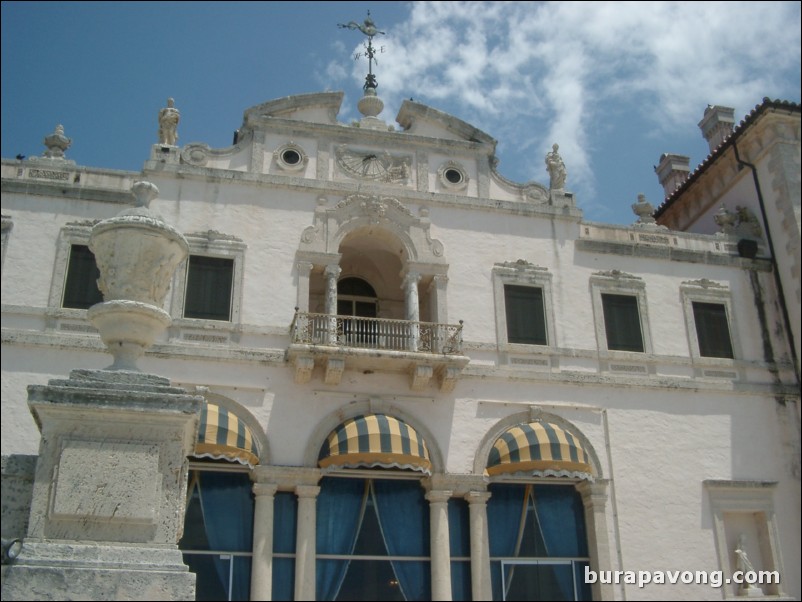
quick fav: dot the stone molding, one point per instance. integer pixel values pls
(620, 283)
(522, 273)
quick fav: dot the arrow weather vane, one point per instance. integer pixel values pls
(369, 29)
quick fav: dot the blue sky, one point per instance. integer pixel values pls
(615, 84)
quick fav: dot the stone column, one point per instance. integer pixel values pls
(480, 545)
(302, 324)
(440, 544)
(594, 499)
(304, 270)
(262, 562)
(332, 274)
(305, 544)
(438, 288)
(410, 285)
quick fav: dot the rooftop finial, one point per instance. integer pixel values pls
(370, 30)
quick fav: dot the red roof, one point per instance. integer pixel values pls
(766, 105)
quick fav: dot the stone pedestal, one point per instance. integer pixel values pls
(110, 490)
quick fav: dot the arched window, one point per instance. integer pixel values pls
(373, 526)
(538, 540)
(218, 525)
(356, 297)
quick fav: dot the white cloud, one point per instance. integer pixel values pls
(531, 74)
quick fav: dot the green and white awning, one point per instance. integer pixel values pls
(224, 436)
(375, 441)
(539, 449)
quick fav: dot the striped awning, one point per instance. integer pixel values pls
(375, 440)
(224, 436)
(539, 449)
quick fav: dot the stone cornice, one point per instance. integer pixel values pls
(339, 188)
(68, 191)
(276, 358)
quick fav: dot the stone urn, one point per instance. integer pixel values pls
(137, 254)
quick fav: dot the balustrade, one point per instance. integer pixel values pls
(376, 333)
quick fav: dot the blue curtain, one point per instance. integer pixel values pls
(340, 506)
(461, 580)
(460, 546)
(227, 506)
(283, 579)
(504, 511)
(285, 513)
(561, 522)
(404, 519)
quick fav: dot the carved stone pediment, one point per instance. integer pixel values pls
(521, 265)
(616, 275)
(356, 211)
(212, 235)
(703, 283)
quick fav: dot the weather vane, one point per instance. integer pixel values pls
(369, 29)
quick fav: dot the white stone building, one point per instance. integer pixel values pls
(421, 380)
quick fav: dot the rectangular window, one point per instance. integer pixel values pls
(80, 287)
(526, 319)
(208, 294)
(622, 322)
(712, 329)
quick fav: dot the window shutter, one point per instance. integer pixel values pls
(622, 323)
(712, 329)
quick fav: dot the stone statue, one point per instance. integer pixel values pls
(725, 220)
(744, 565)
(169, 117)
(556, 168)
(748, 224)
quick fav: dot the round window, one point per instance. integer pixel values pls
(291, 157)
(453, 175)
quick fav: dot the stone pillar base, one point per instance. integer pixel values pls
(77, 571)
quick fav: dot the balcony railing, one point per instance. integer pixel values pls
(376, 333)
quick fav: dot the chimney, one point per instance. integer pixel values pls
(717, 125)
(672, 171)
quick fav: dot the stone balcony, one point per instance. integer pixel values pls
(424, 350)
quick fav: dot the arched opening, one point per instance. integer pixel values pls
(536, 520)
(373, 519)
(217, 542)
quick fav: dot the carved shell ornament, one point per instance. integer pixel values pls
(374, 209)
